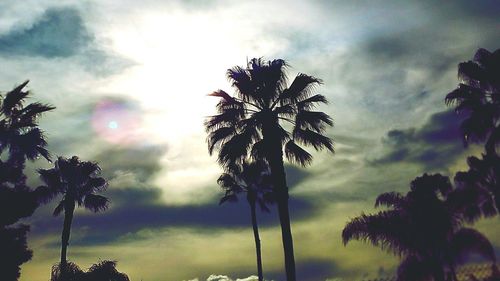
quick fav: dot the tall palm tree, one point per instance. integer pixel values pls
(78, 182)
(249, 124)
(478, 95)
(20, 140)
(423, 228)
(254, 180)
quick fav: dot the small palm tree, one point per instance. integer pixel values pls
(254, 123)
(78, 182)
(254, 180)
(423, 228)
(101, 271)
(478, 95)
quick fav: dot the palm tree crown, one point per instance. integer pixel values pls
(19, 130)
(261, 104)
(478, 95)
(77, 181)
(253, 179)
(422, 227)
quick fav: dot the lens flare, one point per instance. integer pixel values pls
(117, 122)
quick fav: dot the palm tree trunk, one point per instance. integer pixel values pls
(275, 159)
(257, 241)
(68, 218)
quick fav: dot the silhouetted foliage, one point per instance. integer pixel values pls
(101, 271)
(78, 182)
(478, 95)
(14, 251)
(424, 228)
(478, 189)
(249, 124)
(253, 179)
(20, 140)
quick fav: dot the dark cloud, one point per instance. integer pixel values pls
(61, 33)
(140, 210)
(136, 204)
(434, 145)
(295, 175)
(58, 33)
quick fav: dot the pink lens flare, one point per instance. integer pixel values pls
(117, 122)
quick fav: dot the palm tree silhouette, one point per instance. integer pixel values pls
(19, 132)
(478, 95)
(101, 271)
(78, 182)
(478, 189)
(250, 124)
(20, 140)
(254, 180)
(423, 228)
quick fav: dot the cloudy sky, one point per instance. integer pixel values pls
(130, 81)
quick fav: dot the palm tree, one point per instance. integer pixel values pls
(254, 180)
(20, 140)
(19, 130)
(78, 182)
(423, 228)
(249, 124)
(478, 95)
(478, 189)
(101, 271)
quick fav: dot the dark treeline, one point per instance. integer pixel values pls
(266, 122)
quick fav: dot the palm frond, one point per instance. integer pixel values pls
(300, 89)
(227, 181)
(33, 110)
(219, 136)
(309, 137)
(466, 241)
(13, 99)
(45, 194)
(51, 178)
(463, 93)
(240, 79)
(390, 199)
(228, 118)
(96, 203)
(295, 154)
(93, 185)
(309, 103)
(471, 72)
(313, 120)
(382, 229)
(59, 208)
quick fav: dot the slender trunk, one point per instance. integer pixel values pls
(275, 158)
(68, 218)
(257, 241)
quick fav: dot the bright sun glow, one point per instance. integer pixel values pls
(180, 59)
